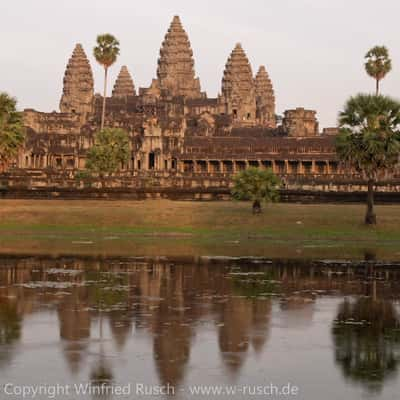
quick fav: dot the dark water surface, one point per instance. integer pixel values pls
(320, 330)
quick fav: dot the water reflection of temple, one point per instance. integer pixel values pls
(167, 301)
(75, 320)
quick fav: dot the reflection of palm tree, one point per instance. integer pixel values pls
(10, 324)
(366, 335)
(10, 329)
(107, 293)
(102, 377)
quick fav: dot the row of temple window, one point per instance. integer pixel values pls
(260, 149)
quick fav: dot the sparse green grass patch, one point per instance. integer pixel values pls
(198, 228)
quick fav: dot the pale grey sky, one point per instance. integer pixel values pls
(313, 49)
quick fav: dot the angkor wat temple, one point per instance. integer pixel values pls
(180, 138)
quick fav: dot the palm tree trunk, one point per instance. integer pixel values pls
(370, 217)
(256, 207)
(103, 112)
(377, 87)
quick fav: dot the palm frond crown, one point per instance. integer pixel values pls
(107, 50)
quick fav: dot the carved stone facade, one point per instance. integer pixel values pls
(78, 92)
(178, 136)
(300, 123)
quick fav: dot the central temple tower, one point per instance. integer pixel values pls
(175, 72)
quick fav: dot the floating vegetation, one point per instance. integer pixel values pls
(54, 271)
(47, 284)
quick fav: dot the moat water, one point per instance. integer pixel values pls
(134, 327)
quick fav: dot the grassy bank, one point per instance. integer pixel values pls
(196, 228)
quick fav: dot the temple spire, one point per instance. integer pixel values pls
(78, 90)
(124, 86)
(265, 98)
(238, 91)
(175, 72)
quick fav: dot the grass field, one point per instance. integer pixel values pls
(196, 228)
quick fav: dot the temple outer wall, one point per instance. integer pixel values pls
(318, 188)
(211, 194)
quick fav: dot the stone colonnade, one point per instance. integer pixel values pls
(301, 167)
(39, 161)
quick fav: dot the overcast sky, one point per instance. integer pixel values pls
(312, 49)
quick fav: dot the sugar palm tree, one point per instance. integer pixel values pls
(257, 186)
(110, 151)
(12, 131)
(378, 64)
(106, 53)
(369, 140)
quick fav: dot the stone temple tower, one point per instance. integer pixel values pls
(78, 91)
(265, 99)
(124, 86)
(238, 88)
(175, 72)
